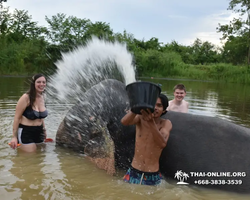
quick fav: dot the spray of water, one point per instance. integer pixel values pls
(88, 65)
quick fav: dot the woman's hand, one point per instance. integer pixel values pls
(13, 142)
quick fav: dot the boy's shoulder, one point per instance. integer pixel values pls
(171, 101)
(185, 102)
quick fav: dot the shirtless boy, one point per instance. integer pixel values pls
(178, 104)
(152, 133)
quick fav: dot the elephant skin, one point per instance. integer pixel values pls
(208, 144)
(196, 143)
(92, 126)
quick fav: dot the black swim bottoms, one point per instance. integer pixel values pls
(30, 134)
(143, 178)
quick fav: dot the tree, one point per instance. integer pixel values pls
(238, 26)
(153, 43)
(186, 52)
(69, 32)
(5, 16)
(235, 50)
(22, 25)
(18, 25)
(101, 30)
(22, 45)
(204, 52)
(66, 32)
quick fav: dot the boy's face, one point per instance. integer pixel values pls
(158, 108)
(179, 94)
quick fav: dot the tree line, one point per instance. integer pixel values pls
(26, 47)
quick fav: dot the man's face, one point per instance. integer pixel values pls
(179, 94)
(158, 108)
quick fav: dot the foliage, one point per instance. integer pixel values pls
(184, 51)
(204, 52)
(235, 50)
(26, 47)
(152, 62)
(23, 48)
(198, 53)
(66, 33)
(238, 26)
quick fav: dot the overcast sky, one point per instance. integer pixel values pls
(167, 20)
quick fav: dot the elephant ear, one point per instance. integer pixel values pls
(100, 147)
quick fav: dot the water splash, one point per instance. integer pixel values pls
(88, 65)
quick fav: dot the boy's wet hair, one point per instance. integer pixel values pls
(180, 87)
(164, 101)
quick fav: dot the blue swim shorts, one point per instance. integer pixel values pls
(135, 176)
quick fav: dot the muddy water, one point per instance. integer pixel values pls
(56, 173)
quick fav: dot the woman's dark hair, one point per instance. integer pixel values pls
(164, 101)
(32, 90)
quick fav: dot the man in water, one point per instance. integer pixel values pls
(152, 133)
(178, 104)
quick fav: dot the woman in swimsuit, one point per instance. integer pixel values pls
(28, 127)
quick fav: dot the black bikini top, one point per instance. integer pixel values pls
(31, 114)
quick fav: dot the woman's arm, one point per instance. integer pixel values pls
(20, 107)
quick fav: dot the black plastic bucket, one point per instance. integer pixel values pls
(142, 95)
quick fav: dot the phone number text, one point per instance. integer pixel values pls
(218, 182)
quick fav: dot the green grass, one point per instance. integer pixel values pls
(213, 72)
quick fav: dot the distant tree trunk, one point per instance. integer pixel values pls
(248, 57)
(248, 42)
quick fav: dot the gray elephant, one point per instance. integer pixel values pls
(92, 126)
(206, 149)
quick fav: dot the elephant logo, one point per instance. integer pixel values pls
(181, 176)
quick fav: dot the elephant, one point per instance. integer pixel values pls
(210, 151)
(92, 126)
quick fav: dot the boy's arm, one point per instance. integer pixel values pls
(165, 131)
(161, 136)
(130, 118)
